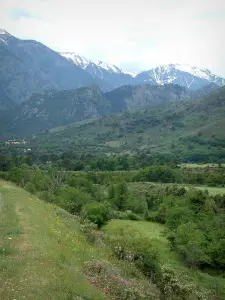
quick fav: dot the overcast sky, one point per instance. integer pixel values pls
(133, 34)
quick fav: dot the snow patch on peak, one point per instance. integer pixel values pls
(194, 70)
(108, 67)
(83, 62)
(4, 32)
(133, 74)
(79, 60)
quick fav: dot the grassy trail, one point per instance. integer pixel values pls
(41, 252)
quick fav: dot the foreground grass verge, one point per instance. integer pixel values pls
(41, 255)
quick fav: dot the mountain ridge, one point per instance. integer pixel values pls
(29, 67)
(189, 76)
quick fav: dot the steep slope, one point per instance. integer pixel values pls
(145, 95)
(57, 108)
(190, 77)
(112, 76)
(29, 67)
(5, 101)
(170, 127)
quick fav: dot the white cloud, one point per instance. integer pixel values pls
(141, 33)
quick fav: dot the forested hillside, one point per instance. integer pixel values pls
(191, 130)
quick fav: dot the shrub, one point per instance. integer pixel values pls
(172, 287)
(72, 199)
(127, 245)
(97, 212)
(108, 278)
(130, 216)
(4, 175)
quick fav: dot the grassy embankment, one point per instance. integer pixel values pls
(41, 253)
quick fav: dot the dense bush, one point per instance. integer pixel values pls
(72, 199)
(157, 174)
(97, 212)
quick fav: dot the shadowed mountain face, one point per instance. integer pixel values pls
(28, 67)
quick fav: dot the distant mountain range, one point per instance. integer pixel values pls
(28, 67)
(190, 77)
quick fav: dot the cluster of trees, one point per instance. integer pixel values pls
(196, 222)
(158, 168)
(166, 174)
(73, 192)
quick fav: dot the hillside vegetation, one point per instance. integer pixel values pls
(44, 255)
(191, 130)
(176, 250)
(58, 108)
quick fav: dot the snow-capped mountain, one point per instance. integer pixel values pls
(190, 77)
(28, 67)
(110, 74)
(83, 62)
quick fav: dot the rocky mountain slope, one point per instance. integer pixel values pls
(187, 76)
(56, 108)
(28, 67)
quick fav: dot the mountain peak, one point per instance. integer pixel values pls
(77, 59)
(2, 31)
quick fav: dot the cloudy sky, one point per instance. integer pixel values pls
(133, 34)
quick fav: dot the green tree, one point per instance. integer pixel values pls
(192, 244)
(121, 195)
(97, 212)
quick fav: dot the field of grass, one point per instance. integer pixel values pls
(202, 166)
(212, 190)
(41, 253)
(142, 187)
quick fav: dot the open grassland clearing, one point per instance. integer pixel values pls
(142, 187)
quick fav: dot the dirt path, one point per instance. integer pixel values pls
(1, 201)
(23, 243)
